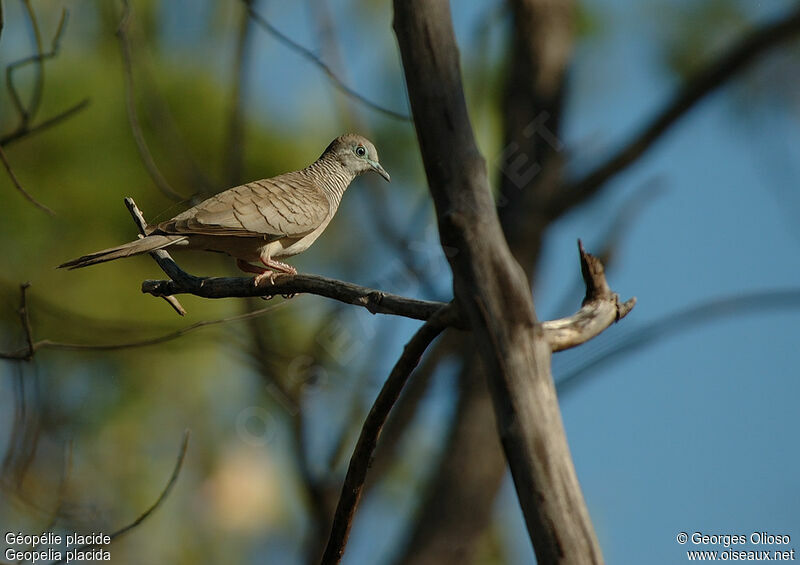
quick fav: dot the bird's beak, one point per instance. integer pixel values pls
(380, 170)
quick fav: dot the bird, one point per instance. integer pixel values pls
(261, 221)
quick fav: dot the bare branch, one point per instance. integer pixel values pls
(160, 256)
(319, 63)
(703, 83)
(376, 301)
(601, 308)
(133, 117)
(147, 513)
(370, 432)
(19, 134)
(17, 184)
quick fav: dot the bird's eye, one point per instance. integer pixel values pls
(361, 151)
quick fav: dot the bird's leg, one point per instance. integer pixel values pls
(260, 273)
(248, 268)
(270, 272)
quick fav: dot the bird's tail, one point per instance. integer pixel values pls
(144, 245)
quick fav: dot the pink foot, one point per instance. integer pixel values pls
(265, 274)
(278, 266)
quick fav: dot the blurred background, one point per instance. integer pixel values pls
(683, 417)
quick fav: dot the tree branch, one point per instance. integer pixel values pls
(492, 291)
(530, 166)
(696, 88)
(376, 301)
(370, 432)
(601, 308)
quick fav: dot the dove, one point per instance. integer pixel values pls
(261, 221)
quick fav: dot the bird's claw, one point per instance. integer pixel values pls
(258, 279)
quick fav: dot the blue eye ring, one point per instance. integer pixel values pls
(361, 151)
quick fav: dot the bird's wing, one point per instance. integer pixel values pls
(287, 205)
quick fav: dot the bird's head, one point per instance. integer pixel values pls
(357, 154)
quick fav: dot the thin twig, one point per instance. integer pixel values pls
(18, 134)
(319, 63)
(170, 336)
(370, 432)
(130, 104)
(125, 529)
(703, 83)
(25, 319)
(19, 187)
(25, 114)
(159, 256)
